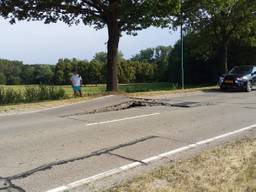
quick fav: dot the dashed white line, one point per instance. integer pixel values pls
(123, 119)
(148, 160)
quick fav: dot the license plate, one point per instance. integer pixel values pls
(228, 81)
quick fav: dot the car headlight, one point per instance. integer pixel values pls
(242, 78)
(221, 79)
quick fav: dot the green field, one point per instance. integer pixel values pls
(89, 90)
(14, 94)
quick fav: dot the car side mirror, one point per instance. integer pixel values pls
(253, 73)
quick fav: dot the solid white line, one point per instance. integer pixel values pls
(123, 119)
(148, 160)
(3, 114)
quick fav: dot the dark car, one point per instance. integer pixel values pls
(240, 77)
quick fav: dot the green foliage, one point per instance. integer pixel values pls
(2, 79)
(144, 72)
(199, 65)
(28, 74)
(127, 71)
(145, 87)
(242, 54)
(44, 74)
(117, 16)
(30, 94)
(159, 57)
(63, 71)
(101, 57)
(220, 23)
(10, 71)
(10, 96)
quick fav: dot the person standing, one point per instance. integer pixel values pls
(76, 81)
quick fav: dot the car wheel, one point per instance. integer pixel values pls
(249, 86)
(223, 89)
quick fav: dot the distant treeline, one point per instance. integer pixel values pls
(160, 64)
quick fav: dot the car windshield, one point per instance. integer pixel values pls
(241, 70)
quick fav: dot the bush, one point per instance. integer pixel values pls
(43, 92)
(10, 95)
(2, 95)
(56, 92)
(30, 94)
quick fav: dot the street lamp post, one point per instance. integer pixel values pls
(182, 47)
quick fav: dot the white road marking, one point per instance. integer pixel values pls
(148, 160)
(3, 114)
(123, 119)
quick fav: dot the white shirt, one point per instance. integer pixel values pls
(76, 80)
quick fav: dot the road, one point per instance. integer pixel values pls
(47, 149)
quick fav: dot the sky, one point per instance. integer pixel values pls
(38, 43)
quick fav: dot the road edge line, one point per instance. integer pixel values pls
(148, 160)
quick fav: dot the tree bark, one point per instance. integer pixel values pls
(113, 42)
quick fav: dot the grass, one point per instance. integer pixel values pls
(90, 90)
(229, 169)
(87, 91)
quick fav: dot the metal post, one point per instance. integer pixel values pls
(182, 47)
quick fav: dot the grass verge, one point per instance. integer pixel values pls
(228, 168)
(92, 91)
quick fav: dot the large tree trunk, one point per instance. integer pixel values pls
(224, 58)
(113, 41)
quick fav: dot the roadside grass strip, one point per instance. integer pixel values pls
(230, 168)
(194, 177)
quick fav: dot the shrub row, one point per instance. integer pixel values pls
(30, 94)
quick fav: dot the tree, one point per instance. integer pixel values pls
(158, 56)
(145, 55)
(2, 79)
(101, 57)
(117, 15)
(28, 74)
(221, 22)
(126, 72)
(11, 70)
(199, 64)
(44, 74)
(63, 71)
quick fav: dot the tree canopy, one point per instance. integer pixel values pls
(116, 15)
(220, 22)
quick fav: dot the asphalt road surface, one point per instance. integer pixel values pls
(43, 150)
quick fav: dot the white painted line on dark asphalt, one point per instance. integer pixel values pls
(148, 160)
(123, 119)
(50, 108)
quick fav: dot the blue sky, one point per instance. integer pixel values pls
(36, 42)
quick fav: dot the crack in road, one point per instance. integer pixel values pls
(6, 183)
(7, 186)
(123, 106)
(126, 158)
(139, 102)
